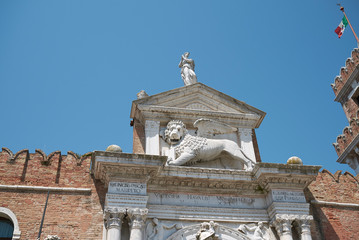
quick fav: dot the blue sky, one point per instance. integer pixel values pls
(69, 70)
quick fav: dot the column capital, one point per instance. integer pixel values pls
(137, 217)
(113, 217)
(283, 224)
(304, 223)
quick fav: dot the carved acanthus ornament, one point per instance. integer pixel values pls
(113, 217)
(283, 225)
(137, 217)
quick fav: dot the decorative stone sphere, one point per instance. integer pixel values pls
(113, 148)
(295, 160)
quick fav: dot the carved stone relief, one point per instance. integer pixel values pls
(155, 229)
(255, 231)
(186, 149)
(208, 231)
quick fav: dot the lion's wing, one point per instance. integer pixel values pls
(207, 127)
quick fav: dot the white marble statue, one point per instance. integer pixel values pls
(207, 231)
(142, 94)
(187, 69)
(188, 150)
(255, 232)
(155, 229)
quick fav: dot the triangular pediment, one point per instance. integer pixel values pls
(197, 98)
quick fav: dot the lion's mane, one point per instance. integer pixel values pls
(194, 143)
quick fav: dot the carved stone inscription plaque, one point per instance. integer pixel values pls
(204, 200)
(127, 188)
(288, 196)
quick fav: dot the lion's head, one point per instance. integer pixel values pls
(175, 132)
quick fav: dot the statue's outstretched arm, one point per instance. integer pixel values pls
(181, 62)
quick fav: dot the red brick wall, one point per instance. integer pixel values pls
(139, 137)
(69, 215)
(350, 109)
(334, 222)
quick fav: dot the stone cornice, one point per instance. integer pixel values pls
(206, 173)
(108, 166)
(334, 204)
(159, 106)
(274, 175)
(45, 189)
(165, 114)
(151, 169)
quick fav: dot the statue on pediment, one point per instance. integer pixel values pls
(187, 69)
(189, 150)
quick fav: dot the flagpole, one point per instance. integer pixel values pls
(356, 37)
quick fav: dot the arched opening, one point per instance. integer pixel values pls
(6, 229)
(9, 227)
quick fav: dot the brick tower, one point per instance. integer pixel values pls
(346, 90)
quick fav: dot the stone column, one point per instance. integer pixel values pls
(283, 225)
(304, 223)
(137, 218)
(113, 222)
(152, 131)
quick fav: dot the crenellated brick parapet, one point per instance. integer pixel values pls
(75, 200)
(346, 89)
(348, 135)
(40, 169)
(334, 204)
(345, 72)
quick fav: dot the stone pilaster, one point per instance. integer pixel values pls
(113, 222)
(137, 218)
(152, 130)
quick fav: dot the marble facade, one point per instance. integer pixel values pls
(149, 199)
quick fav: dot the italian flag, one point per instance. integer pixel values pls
(340, 29)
